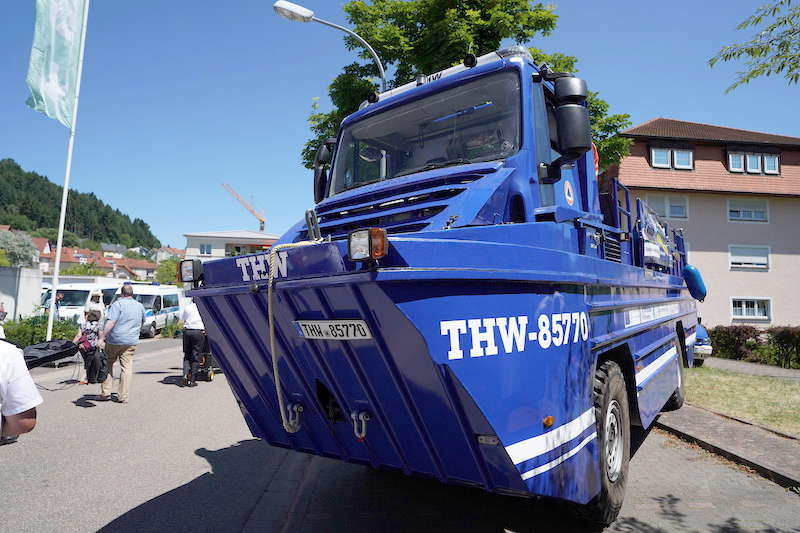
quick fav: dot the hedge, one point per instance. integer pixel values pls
(778, 345)
(33, 330)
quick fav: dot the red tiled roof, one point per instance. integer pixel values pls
(174, 251)
(667, 128)
(40, 243)
(5, 227)
(136, 263)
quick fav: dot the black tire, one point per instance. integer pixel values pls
(675, 401)
(610, 399)
(151, 331)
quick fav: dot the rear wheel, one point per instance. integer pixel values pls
(612, 421)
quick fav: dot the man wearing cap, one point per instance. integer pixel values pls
(119, 338)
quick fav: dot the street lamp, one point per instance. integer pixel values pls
(291, 11)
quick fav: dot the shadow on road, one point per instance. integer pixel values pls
(172, 380)
(151, 372)
(351, 499)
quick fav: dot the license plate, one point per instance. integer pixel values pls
(337, 330)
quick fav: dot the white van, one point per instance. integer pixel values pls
(162, 304)
(76, 296)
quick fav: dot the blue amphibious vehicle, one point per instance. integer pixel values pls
(468, 300)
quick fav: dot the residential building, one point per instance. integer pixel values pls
(736, 194)
(122, 268)
(163, 254)
(113, 250)
(218, 244)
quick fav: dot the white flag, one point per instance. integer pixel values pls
(55, 54)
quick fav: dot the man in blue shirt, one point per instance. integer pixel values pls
(119, 339)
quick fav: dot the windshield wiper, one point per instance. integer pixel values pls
(434, 165)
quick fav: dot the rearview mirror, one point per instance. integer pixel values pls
(321, 161)
(574, 130)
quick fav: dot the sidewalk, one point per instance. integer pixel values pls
(753, 369)
(774, 457)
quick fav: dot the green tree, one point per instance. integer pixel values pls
(17, 221)
(130, 254)
(774, 49)
(51, 234)
(19, 248)
(4, 262)
(84, 269)
(89, 244)
(167, 272)
(430, 35)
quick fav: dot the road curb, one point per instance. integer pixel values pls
(762, 470)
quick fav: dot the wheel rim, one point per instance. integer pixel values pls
(613, 441)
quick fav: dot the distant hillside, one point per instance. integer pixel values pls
(35, 197)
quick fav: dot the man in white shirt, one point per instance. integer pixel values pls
(18, 394)
(195, 343)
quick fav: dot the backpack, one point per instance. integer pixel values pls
(96, 364)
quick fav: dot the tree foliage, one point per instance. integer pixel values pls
(84, 269)
(167, 273)
(51, 234)
(19, 248)
(773, 50)
(431, 35)
(38, 199)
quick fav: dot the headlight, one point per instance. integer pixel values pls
(190, 270)
(366, 244)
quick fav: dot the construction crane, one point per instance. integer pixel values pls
(261, 220)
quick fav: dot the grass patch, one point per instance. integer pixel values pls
(767, 401)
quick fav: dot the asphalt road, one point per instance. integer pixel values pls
(183, 460)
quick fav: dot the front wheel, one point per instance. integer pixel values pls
(150, 332)
(612, 421)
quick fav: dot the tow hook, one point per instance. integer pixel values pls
(293, 420)
(360, 424)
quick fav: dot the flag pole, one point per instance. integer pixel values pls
(65, 192)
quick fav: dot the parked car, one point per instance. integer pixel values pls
(162, 304)
(76, 296)
(702, 346)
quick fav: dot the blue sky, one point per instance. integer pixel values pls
(181, 96)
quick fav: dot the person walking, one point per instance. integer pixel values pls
(119, 339)
(195, 343)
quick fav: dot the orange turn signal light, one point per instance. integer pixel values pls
(369, 243)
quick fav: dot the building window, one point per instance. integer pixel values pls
(682, 159)
(770, 164)
(735, 162)
(749, 257)
(753, 163)
(660, 157)
(750, 308)
(669, 206)
(752, 210)
(205, 249)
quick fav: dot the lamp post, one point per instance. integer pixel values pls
(291, 11)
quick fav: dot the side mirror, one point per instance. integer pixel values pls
(321, 160)
(573, 127)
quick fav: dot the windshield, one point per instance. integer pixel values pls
(477, 121)
(145, 299)
(108, 295)
(71, 297)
